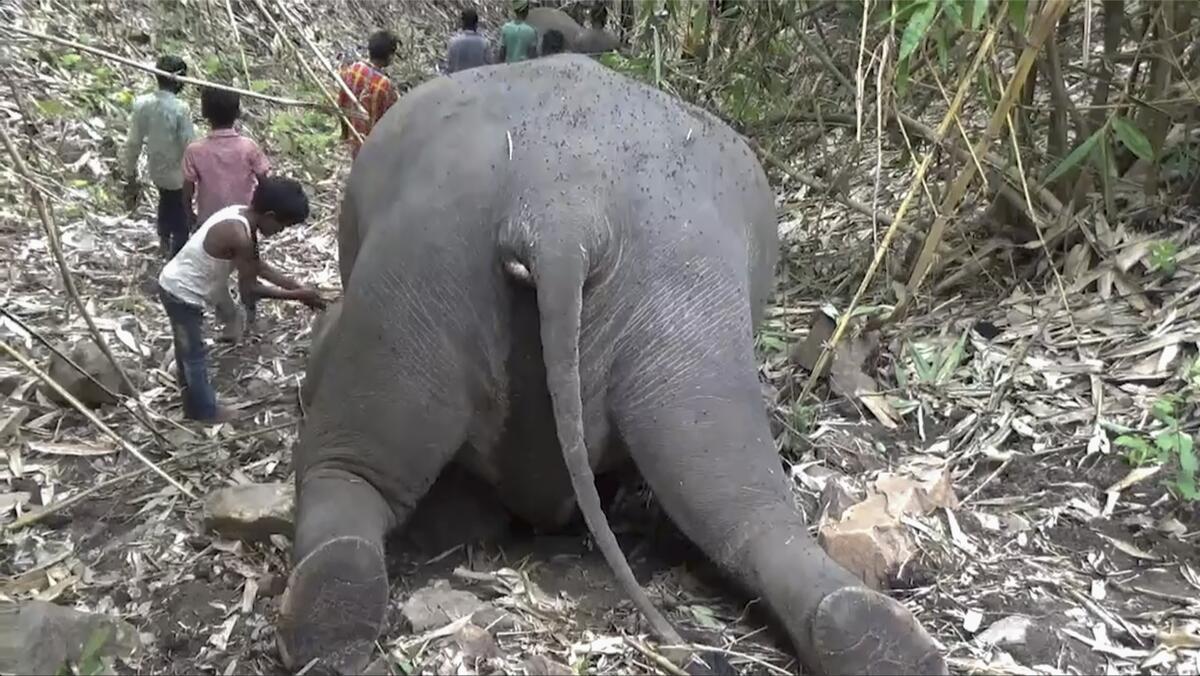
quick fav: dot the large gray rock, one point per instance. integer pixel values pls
(91, 359)
(251, 512)
(38, 637)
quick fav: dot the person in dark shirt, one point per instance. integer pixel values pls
(467, 48)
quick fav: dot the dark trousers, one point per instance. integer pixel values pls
(199, 400)
(172, 221)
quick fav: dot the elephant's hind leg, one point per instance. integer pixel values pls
(700, 438)
(368, 454)
(337, 594)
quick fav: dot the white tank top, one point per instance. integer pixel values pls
(194, 275)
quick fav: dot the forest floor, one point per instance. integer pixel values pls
(1026, 541)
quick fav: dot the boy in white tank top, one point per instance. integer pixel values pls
(199, 275)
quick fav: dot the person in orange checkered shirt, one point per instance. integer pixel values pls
(370, 86)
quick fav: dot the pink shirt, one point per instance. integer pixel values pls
(225, 167)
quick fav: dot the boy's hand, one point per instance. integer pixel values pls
(133, 193)
(310, 297)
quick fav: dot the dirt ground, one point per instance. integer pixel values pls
(1032, 544)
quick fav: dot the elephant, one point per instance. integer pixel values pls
(593, 40)
(321, 329)
(548, 18)
(550, 270)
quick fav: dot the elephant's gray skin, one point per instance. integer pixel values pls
(506, 289)
(321, 329)
(548, 18)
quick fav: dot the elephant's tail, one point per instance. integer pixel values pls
(559, 279)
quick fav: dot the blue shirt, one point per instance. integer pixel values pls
(467, 49)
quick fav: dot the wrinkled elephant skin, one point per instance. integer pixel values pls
(550, 269)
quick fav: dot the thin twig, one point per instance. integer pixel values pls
(1062, 288)
(1046, 22)
(905, 204)
(137, 415)
(320, 57)
(34, 517)
(825, 60)
(162, 73)
(662, 662)
(879, 71)
(860, 77)
(31, 518)
(52, 237)
(237, 39)
(804, 178)
(33, 368)
(308, 71)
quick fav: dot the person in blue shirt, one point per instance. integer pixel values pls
(467, 48)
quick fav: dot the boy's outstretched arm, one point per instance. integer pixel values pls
(249, 267)
(276, 276)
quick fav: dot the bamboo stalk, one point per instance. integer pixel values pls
(137, 415)
(52, 238)
(309, 72)
(151, 69)
(913, 187)
(1042, 29)
(237, 39)
(320, 57)
(130, 448)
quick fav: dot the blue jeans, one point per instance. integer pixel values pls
(199, 400)
(172, 220)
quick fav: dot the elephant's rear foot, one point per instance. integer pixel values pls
(856, 630)
(334, 607)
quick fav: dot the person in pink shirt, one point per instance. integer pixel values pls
(219, 170)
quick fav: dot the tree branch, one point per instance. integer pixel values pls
(151, 69)
(130, 448)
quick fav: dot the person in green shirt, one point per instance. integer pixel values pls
(518, 40)
(162, 124)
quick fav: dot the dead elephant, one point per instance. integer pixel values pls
(507, 290)
(548, 18)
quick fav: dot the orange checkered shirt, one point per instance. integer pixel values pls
(373, 90)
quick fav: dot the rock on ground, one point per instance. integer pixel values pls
(251, 512)
(38, 637)
(91, 359)
(439, 604)
(868, 541)
(476, 643)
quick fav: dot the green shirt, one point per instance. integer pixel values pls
(519, 40)
(163, 124)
